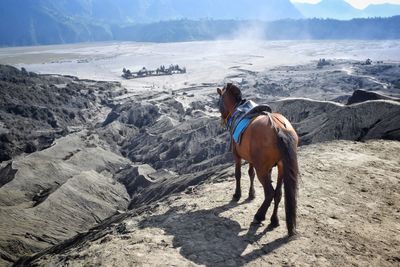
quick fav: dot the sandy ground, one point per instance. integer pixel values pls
(348, 216)
(206, 62)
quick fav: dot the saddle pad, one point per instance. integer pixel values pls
(240, 128)
(242, 116)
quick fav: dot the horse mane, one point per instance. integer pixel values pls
(235, 92)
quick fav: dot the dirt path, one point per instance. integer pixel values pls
(348, 215)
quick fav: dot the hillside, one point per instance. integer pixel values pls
(71, 31)
(37, 109)
(348, 215)
(33, 22)
(43, 22)
(126, 11)
(120, 152)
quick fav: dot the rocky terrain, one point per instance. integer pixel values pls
(348, 215)
(98, 166)
(335, 81)
(123, 173)
(37, 109)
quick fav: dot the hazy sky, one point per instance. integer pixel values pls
(356, 3)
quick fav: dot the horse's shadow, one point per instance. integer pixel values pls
(208, 239)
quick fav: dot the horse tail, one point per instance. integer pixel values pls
(288, 147)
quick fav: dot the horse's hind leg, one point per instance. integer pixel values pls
(277, 198)
(238, 175)
(252, 192)
(268, 196)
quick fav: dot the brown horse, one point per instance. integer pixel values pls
(270, 140)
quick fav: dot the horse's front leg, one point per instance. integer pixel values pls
(238, 175)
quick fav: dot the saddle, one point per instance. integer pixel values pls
(242, 117)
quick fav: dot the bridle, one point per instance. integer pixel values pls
(222, 110)
(221, 104)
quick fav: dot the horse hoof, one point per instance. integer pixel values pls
(236, 197)
(251, 197)
(274, 221)
(258, 218)
(292, 234)
(273, 225)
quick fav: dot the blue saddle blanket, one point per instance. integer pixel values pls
(242, 117)
(240, 128)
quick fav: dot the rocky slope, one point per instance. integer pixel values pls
(101, 163)
(360, 96)
(126, 153)
(348, 214)
(37, 109)
(317, 121)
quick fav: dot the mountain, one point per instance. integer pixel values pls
(337, 9)
(325, 29)
(30, 22)
(340, 9)
(289, 29)
(42, 22)
(384, 10)
(226, 9)
(125, 11)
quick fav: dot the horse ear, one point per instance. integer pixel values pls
(219, 91)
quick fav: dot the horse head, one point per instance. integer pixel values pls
(229, 97)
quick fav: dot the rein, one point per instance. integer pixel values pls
(227, 118)
(230, 114)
